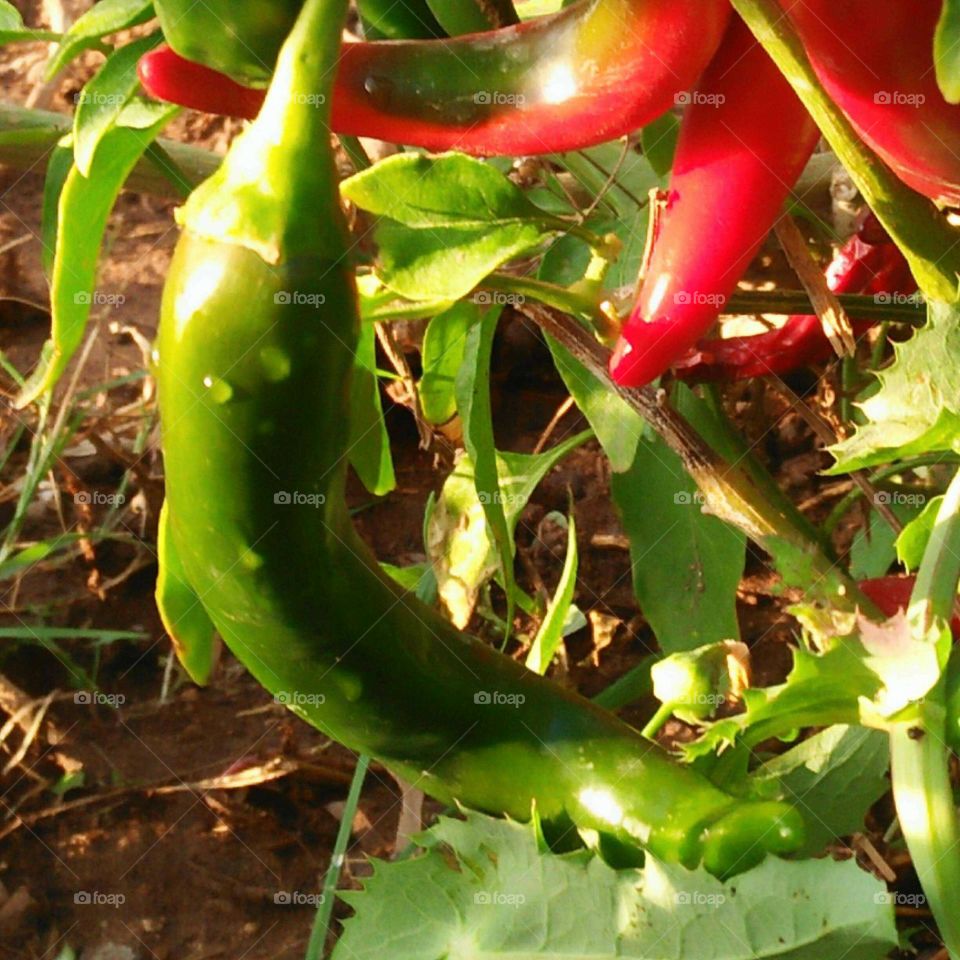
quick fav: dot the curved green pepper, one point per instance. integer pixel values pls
(243, 37)
(258, 329)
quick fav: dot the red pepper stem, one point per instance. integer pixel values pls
(914, 223)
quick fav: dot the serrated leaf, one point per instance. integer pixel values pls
(835, 777)
(483, 890)
(103, 98)
(917, 408)
(447, 222)
(102, 19)
(458, 539)
(913, 539)
(84, 206)
(369, 447)
(441, 356)
(946, 51)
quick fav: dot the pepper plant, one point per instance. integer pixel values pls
(580, 834)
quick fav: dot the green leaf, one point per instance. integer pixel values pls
(85, 205)
(10, 18)
(58, 169)
(917, 408)
(550, 634)
(447, 222)
(472, 388)
(686, 564)
(874, 550)
(103, 18)
(837, 774)
(458, 538)
(369, 448)
(12, 29)
(915, 536)
(482, 890)
(442, 355)
(659, 141)
(946, 51)
(103, 98)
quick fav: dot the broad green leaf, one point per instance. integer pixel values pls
(181, 610)
(550, 634)
(58, 169)
(457, 535)
(917, 408)
(103, 18)
(103, 98)
(446, 222)
(85, 205)
(835, 777)
(946, 51)
(913, 539)
(874, 550)
(483, 889)
(369, 447)
(686, 564)
(442, 356)
(472, 389)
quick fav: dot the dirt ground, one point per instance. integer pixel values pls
(158, 820)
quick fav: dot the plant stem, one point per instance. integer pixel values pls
(927, 240)
(321, 920)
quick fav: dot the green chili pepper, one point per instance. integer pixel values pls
(258, 329)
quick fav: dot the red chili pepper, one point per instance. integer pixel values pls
(876, 62)
(892, 594)
(744, 140)
(591, 73)
(869, 262)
